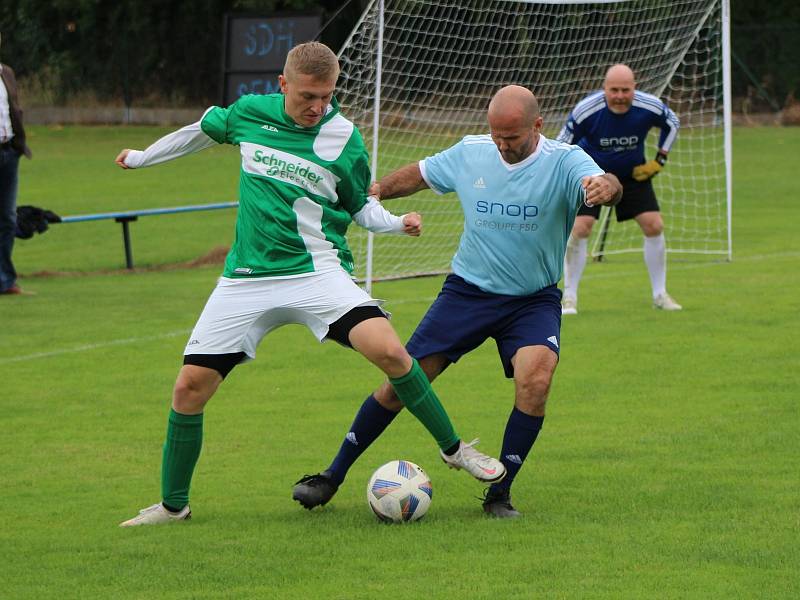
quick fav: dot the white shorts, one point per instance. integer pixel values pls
(240, 312)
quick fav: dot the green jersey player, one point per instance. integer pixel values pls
(304, 178)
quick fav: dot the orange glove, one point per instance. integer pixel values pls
(646, 171)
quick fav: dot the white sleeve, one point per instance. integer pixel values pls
(377, 219)
(669, 130)
(179, 143)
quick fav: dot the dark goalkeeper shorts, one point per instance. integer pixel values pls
(463, 317)
(637, 197)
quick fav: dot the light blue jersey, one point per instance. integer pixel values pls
(517, 218)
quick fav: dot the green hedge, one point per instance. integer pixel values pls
(158, 51)
(168, 51)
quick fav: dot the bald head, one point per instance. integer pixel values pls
(618, 87)
(514, 102)
(514, 122)
(620, 74)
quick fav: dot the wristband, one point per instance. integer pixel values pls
(661, 158)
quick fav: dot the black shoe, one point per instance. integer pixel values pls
(314, 490)
(497, 503)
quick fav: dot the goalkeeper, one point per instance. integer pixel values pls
(611, 125)
(519, 192)
(303, 179)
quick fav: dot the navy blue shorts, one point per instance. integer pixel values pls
(463, 317)
(637, 197)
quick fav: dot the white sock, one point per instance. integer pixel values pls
(655, 257)
(574, 263)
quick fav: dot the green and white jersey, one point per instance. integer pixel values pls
(299, 187)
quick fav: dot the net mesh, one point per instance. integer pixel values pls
(443, 60)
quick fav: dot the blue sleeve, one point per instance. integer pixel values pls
(577, 165)
(440, 170)
(571, 131)
(669, 123)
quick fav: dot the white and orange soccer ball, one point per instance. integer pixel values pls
(399, 492)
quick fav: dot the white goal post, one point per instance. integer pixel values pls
(417, 75)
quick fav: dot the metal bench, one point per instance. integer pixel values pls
(129, 216)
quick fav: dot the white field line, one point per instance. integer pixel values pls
(87, 347)
(616, 274)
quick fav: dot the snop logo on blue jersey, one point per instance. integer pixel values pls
(526, 211)
(620, 143)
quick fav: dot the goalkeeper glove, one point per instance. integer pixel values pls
(649, 169)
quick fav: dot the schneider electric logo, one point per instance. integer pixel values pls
(276, 167)
(289, 168)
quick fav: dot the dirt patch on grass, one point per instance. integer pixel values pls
(215, 256)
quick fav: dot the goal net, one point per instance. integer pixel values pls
(417, 76)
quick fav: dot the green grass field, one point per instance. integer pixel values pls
(667, 467)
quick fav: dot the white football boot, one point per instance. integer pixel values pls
(481, 467)
(157, 515)
(665, 302)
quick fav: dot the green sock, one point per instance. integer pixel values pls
(416, 393)
(181, 451)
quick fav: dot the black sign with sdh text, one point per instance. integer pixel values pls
(255, 49)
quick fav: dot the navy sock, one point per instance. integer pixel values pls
(371, 419)
(521, 432)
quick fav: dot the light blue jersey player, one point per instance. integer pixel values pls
(520, 193)
(612, 125)
(517, 216)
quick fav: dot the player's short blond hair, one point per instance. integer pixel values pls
(311, 58)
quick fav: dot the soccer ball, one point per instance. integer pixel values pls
(399, 491)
